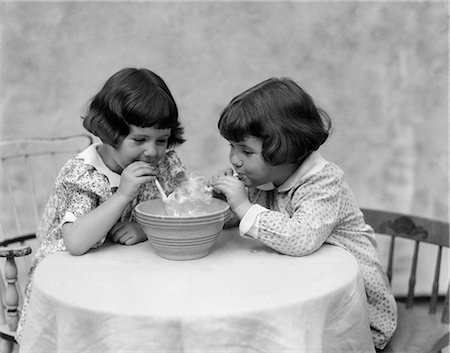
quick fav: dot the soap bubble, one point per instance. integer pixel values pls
(190, 197)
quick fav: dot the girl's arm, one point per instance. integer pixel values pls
(300, 234)
(233, 191)
(315, 206)
(91, 227)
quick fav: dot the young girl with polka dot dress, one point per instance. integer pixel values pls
(286, 195)
(136, 118)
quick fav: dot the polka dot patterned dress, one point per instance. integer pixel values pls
(320, 208)
(82, 185)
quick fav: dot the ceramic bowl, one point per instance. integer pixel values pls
(183, 237)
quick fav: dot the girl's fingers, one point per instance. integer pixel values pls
(116, 227)
(116, 236)
(146, 179)
(142, 168)
(142, 173)
(145, 170)
(222, 184)
(123, 239)
(118, 232)
(129, 241)
(225, 180)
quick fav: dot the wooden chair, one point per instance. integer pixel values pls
(28, 169)
(423, 323)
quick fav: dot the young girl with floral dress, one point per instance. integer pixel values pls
(136, 119)
(286, 195)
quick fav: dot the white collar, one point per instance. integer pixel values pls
(90, 156)
(314, 163)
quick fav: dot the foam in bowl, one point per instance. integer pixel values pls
(190, 197)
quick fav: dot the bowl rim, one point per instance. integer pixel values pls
(193, 217)
(174, 220)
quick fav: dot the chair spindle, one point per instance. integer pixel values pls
(412, 277)
(391, 259)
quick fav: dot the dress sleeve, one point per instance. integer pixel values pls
(315, 209)
(83, 194)
(174, 170)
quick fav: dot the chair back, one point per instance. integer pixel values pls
(421, 232)
(28, 169)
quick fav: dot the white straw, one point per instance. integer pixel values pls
(161, 191)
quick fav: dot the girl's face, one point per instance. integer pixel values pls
(247, 160)
(145, 144)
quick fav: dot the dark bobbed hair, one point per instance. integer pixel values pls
(282, 114)
(136, 97)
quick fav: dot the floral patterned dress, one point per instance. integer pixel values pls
(315, 206)
(82, 184)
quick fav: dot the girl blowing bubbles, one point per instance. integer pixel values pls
(288, 196)
(136, 118)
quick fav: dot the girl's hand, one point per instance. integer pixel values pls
(214, 179)
(127, 233)
(228, 172)
(133, 176)
(235, 192)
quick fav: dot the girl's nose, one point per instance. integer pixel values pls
(235, 161)
(150, 150)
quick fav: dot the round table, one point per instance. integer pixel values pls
(242, 297)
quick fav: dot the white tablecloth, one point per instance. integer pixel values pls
(242, 297)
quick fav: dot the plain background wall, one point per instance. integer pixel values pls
(380, 70)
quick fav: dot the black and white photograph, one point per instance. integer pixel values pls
(183, 176)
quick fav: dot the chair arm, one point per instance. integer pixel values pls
(17, 251)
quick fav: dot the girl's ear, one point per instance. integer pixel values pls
(176, 136)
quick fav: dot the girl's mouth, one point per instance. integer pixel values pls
(241, 177)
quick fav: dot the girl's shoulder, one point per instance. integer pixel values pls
(322, 172)
(74, 169)
(332, 169)
(76, 174)
(328, 177)
(314, 168)
(329, 173)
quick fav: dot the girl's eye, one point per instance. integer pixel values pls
(162, 141)
(242, 150)
(138, 140)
